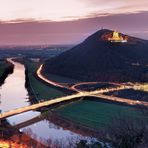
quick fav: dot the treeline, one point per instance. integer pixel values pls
(98, 60)
(8, 70)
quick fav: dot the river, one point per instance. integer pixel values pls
(14, 95)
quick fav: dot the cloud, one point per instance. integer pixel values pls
(61, 10)
(71, 32)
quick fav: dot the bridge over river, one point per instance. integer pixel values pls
(97, 93)
(79, 94)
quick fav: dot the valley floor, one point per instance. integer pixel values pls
(96, 115)
(92, 114)
(40, 90)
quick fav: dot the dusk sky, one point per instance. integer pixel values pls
(25, 22)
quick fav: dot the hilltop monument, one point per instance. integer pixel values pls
(117, 38)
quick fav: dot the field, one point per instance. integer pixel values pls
(42, 91)
(87, 113)
(95, 114)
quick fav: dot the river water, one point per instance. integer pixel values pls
(14, 95)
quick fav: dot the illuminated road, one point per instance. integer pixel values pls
(39, 105)
(70, 97)
(47, 103)
(74, 87)
(122, 100)
(79, 94)
(39, 74)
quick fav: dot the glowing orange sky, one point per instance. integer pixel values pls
(61, 10)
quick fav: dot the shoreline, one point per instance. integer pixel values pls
(8, 70)
(79, 128)
(64, 89)
(31, 95)
(7, 131)
(59, 119)
(54, 117)
(68, 124)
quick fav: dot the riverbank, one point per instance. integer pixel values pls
(38, 89)
(14, 95)
(54, 117)
(90, 117)
(86, 121)
(67, 124)
(6, 68)
(80, 116)
(11, 135)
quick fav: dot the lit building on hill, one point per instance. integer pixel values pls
(117, 38)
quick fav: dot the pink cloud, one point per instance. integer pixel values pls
(69, 32)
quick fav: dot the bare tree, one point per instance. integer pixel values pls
(127, 133)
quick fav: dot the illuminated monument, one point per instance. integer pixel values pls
(116, 37)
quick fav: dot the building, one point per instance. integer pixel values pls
(117, 38)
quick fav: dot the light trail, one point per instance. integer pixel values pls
(70, 97)
(122, 100)
(97, 93)
(39, 74)
(73, 88)
(87, 83)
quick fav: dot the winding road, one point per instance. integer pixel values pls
(97, 93)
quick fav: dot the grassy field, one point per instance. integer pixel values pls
(43, 91)
(92, 114)
(95, 114)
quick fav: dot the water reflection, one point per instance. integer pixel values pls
(48, 130)
(13, 92)
(14, 95)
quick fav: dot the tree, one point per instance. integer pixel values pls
(127, 133)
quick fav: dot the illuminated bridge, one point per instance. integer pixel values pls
(96, 93)
(79, 94)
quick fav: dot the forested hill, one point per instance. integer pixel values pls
(97, 59)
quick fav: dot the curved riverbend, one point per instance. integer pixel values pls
(14, 95)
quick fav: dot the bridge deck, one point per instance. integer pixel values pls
(70, 97)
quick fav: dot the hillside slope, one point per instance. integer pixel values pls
(96, 59)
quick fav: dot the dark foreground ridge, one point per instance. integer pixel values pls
(96, 59)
